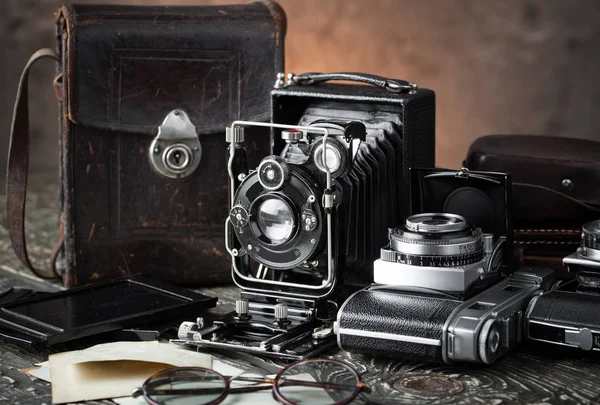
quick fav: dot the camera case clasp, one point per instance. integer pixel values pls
(176, 151)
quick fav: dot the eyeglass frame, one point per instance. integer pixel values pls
(273, 382)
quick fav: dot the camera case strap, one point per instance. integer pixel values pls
(18, 168)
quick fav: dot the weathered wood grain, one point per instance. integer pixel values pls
(534, 374)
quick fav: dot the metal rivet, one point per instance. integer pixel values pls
(313, 241)
(567, 184)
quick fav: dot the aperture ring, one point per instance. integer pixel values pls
(441, 261)
(449, 247)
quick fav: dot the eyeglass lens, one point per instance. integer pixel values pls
(318, 382)
(185, 387)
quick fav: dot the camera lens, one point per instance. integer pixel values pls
(436, 223)
(332, 156)
(275, 220)
(273, 172)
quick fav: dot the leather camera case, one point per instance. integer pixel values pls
(121, 71)
(554, 190)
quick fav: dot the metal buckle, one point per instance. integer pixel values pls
(176, 151)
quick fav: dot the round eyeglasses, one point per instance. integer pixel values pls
(312, 381)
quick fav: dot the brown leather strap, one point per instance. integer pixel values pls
(18, 166)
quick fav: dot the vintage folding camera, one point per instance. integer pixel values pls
(306, 225)
(442, 289)
(568, 315)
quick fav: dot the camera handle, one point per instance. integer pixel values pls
(391, 85)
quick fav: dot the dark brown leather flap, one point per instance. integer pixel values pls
(127, 67)
(564, 172)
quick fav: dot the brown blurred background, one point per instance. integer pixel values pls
(502, 66)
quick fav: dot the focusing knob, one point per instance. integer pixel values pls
(489, 341)
(273, 172)
(185, 328)
(281, 312)
(239, 216)
(292, 135)
(388, 255)
(242, 307)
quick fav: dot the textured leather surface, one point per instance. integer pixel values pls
(129, 66)
(538, 166)
(395, 313)
(125, 69)
(568, 308)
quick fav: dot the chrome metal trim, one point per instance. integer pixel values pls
(589, 253)
(436, 278)
(560, 326)
(330, 280)
(414, 223)
(580, 260)
(389, 336)
(450, 319)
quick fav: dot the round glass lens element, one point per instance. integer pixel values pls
(319, 382)
(332, 157)
(273, 172)
(185, 386)
(436, 222)
(275, 220)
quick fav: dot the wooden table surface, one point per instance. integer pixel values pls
(533, 374)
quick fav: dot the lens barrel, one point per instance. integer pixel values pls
(435, 239)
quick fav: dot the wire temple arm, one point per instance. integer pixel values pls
(262, 384)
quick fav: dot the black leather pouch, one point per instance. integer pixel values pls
(145, 94)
